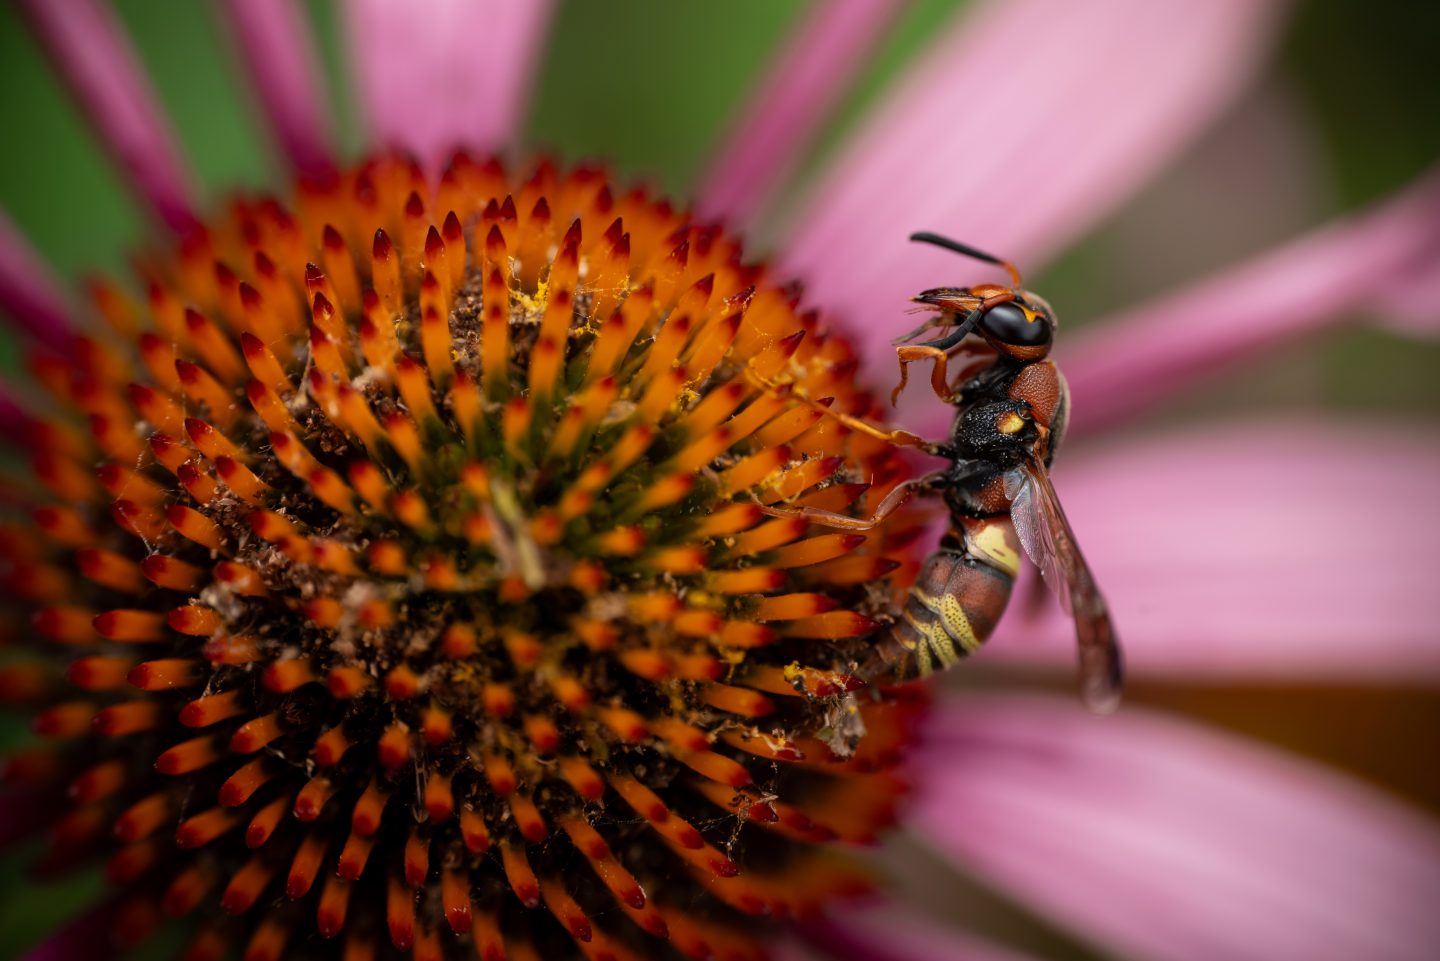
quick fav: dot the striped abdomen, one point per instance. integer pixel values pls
(958, 597)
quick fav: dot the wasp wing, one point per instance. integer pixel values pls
(1050, 542)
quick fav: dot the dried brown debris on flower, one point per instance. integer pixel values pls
(392, 578)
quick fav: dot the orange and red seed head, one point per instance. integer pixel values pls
(424, 555)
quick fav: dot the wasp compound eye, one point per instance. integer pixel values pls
(1008, 324)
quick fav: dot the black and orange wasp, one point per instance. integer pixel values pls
(1011, 405)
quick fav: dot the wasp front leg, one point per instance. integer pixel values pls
(939, 378)
(938, 350)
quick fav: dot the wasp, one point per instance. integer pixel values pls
(1011, 404)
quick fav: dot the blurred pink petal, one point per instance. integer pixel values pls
(444, 74)
(29, 292)
(890, 933)
(1007, 135)
(94, 56)
(1412, 302)
(816, 65)
(1285, 550)
(86, 938)
(1158, 839)
(1129, 363)
(274, 41)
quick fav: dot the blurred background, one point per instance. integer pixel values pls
(1345, 113)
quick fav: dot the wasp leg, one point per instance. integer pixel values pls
(939, 349)
(939, 379)
(898, 437)
(902, 493)
(938, 320)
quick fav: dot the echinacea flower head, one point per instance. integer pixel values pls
(418, 555)
(428, 516)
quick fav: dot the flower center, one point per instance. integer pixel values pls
(447, 533)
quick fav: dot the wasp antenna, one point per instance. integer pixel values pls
(926, 237)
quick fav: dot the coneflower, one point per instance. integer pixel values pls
(424, 582)
(1142, 835)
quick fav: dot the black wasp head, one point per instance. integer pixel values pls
(1017, 324)
(1014, 321)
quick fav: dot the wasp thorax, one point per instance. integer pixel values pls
(424, 594)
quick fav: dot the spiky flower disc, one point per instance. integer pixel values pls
(423, 594)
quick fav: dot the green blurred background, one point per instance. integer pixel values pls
(1346, 113)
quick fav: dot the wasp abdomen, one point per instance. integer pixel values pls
(960, 593)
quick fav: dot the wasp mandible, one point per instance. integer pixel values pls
(1011, 404)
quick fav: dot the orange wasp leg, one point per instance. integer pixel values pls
(941, 348)
(939, 378)
(892, 502)
(900, 438)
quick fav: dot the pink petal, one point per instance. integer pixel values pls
(889, 933)
(1412, 302)
(1131, 362)
(86, 938)
(94, 56)
(274, 41)
(1280, 549)
(1023, 125)
(816, 65)
(445, 74)
(1159, 839)
(29, 292)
